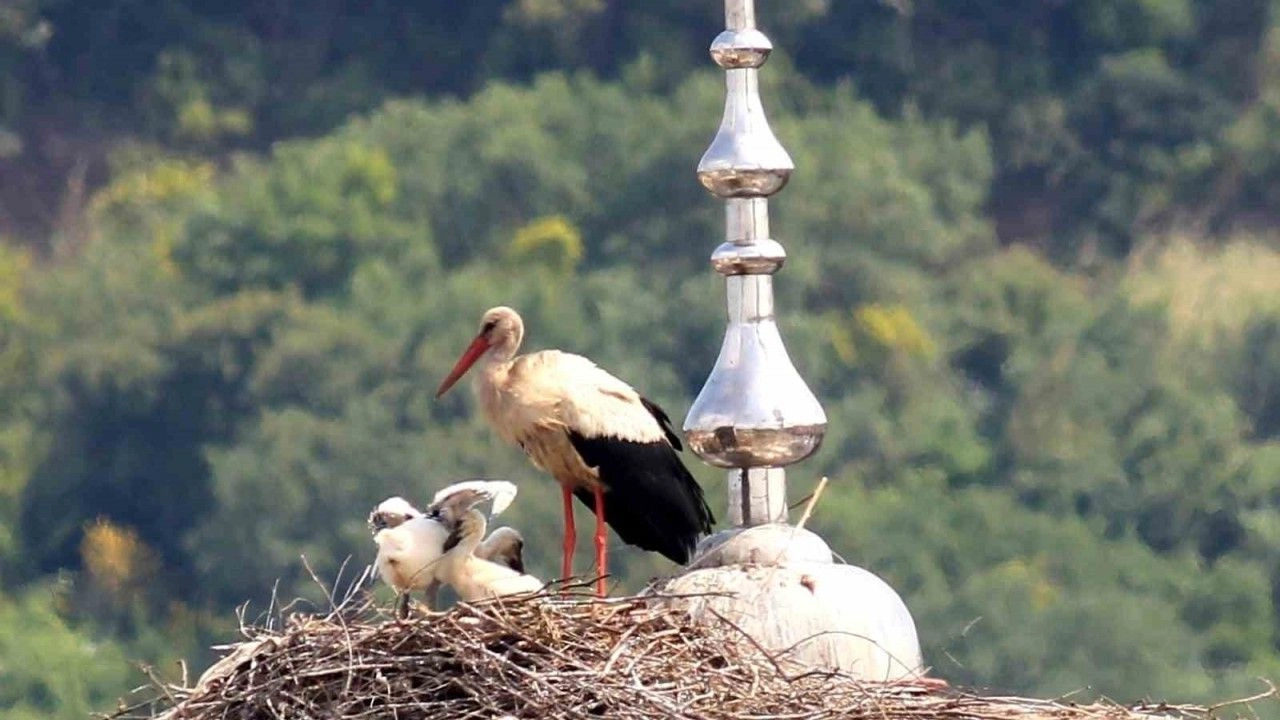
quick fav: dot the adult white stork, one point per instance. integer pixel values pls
(604, 443)
(460, 567)
(411, 542)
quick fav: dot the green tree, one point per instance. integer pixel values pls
(52, 670)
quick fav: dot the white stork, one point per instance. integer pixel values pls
(460, 566)
(604, 443)
(411, 542)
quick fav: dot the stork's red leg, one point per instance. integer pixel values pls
(601, 538)
(570, 535)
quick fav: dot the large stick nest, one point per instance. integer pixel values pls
(558, 657)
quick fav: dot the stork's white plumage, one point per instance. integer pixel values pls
(601, 440)
(411, 543)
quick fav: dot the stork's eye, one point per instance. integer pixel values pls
(488, 327)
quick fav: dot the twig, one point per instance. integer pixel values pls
(1270, 693)
(813, 502)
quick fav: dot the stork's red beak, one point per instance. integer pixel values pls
(460, 368)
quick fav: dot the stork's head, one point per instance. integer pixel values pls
(390, 513)
(501, 331)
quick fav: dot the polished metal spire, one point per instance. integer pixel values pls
(755, 414)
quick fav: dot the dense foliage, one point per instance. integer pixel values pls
(1032, 277)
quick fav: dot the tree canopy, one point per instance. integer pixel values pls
(1033, 278)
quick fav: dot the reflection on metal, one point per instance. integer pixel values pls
(754, 411)
(762, 491)
(745, 159)
(744, 48)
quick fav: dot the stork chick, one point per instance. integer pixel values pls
(410, 544)
(462, 565)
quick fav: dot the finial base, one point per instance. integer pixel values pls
(813, 614)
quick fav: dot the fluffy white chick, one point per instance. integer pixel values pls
(411, 543)
(463, 564)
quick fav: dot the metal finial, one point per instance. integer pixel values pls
(755, 413)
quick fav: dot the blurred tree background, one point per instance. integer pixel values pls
(1034, 278)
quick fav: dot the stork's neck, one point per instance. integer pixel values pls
(494, 367)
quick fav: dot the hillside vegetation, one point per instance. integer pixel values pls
(1033, 276)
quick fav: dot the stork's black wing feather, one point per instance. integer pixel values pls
(650, 498)
(665, 422)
